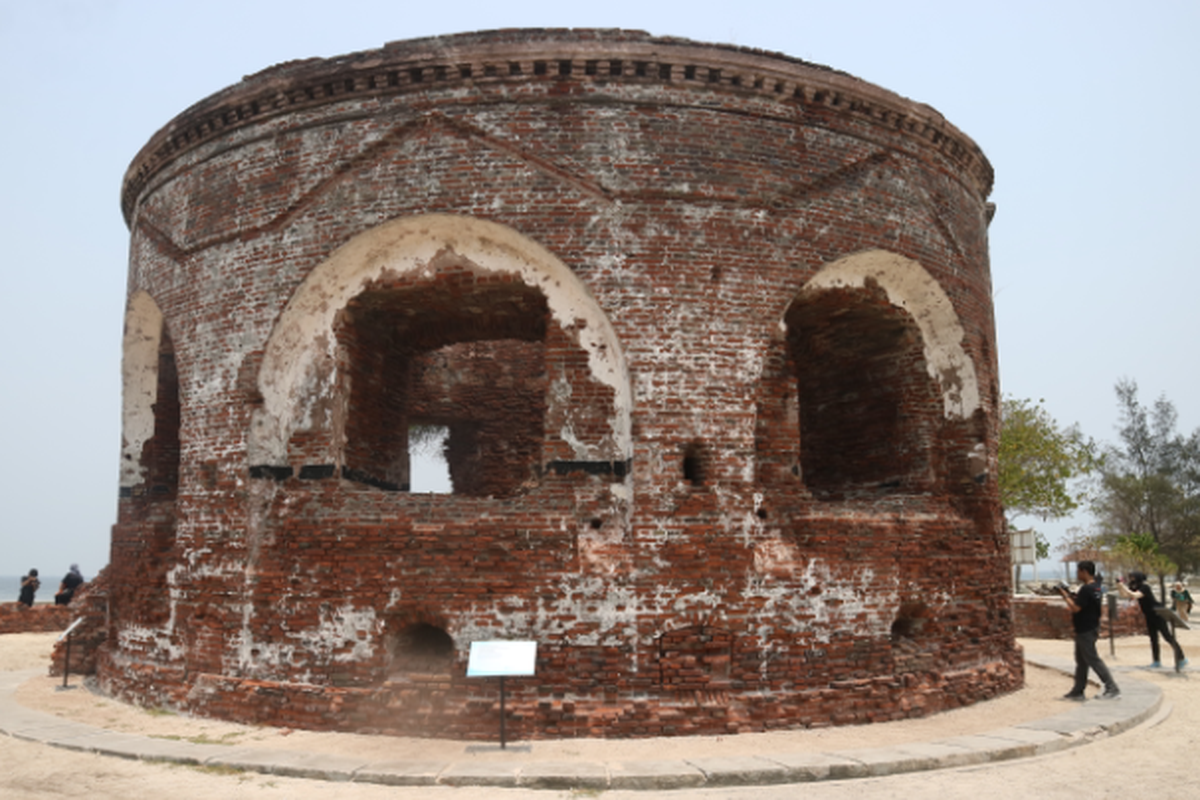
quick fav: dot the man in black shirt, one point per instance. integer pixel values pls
(1085, 608)
(70, 582)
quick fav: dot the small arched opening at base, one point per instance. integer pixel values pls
(420, 648)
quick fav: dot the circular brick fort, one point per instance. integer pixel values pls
(706, 332)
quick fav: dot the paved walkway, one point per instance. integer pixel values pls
(1076, 724)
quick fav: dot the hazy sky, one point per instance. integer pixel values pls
(1087, 112)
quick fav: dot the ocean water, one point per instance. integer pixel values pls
(10, 588)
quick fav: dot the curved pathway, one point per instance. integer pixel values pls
(1076, 724)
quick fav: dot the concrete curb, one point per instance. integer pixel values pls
(1078, 725)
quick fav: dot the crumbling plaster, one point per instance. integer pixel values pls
(139, 383)
(910, 286)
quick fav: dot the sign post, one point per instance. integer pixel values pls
(1112, 617)
(67, 656)
(1024, 552)
(498, 659)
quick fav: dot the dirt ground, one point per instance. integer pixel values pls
(1160, 758)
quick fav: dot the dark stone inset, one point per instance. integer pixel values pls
(618, 469)
(317, 472)
(270, 471)
(358, 476)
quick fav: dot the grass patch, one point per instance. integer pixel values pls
(216, 769)
(202, 738)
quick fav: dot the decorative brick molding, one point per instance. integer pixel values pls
(709, 335)
(494, 61)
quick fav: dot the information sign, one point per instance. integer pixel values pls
(78, 621)
(498, 659)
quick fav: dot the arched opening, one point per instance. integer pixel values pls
(151, 413)
(447, 322)
(457, 352)
(150, 464)
(421, 648)
(868, 390)
(868, 410)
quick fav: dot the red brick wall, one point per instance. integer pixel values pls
(40, 618)
(1049, 618)
(720, 494)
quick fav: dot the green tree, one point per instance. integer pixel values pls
(1039, 462)
(1149, 483)
(1140, 551)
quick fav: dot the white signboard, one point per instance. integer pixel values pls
(78, 621)
(1023, 551)
(501, 659)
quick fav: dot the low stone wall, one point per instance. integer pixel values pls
(42, 618)
(1037, 617)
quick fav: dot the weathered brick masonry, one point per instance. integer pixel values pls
(41, 618)
(710, 330)
(1049, 618)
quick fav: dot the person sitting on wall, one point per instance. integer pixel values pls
(70, 582)
(1085, 608)
(1182, 599)
(1138, 589)
(29, 587)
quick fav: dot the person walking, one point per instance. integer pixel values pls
(1136, 588)
(1182, 600)
(1085, 608)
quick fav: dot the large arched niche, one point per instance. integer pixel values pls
(302, 379)
(868, 382)
(910, 287)
(150, 402)
(145, 531)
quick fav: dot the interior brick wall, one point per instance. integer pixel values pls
(720, 495)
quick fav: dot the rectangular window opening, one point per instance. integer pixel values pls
(429, 472)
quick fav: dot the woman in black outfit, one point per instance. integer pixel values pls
(1138, 589)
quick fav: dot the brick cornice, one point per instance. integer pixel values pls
(524, 56)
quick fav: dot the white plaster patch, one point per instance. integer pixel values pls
(803, 601)
(339, 627)
(911, 287)
(612, 610)
(139, 383)
(774, 556)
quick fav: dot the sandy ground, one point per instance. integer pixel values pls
(1163, 757)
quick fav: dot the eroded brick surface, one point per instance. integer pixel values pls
(711, 333)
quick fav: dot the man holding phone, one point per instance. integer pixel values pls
(1085, 608)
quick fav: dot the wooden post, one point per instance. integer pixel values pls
(67, 660)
